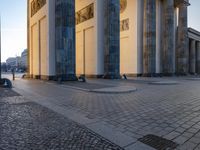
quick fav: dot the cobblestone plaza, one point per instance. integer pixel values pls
(168, 111)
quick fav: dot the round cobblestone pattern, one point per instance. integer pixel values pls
(29, 126)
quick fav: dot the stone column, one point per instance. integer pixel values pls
(28, 40)
(168, 39)
(149, 38)
(65, 39)
(112, 39)
(182, 41)
(0, 48)
(198, 58)
(192, 57)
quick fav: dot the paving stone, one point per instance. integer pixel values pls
(172, 135)
(193, 130)
(107, 132)
(195, 140)
(187, 146)
(197, 147)
(197, 134)
(139, 146)
(180, 139)
(180, 130)
(188, 134)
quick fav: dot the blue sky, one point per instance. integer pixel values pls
(13, 14)
(13, 22)
(194, 15)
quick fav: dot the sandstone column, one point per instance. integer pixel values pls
(168, 39)
(182, 41)
(198, 58)
(0, 48)
(65, 39)
(28, 40)
(112, 39)
(149, 38)
(192, 57)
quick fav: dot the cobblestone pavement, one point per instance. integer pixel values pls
(4, 92)
(26, 125)
(168, 111)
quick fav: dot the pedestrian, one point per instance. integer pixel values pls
(13, 73)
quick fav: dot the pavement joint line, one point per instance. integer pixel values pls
(102, 90)
(130, 144)
(75, 88)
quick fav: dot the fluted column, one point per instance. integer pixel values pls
(149, 38)
(182, 41)
(168, 39)
(198, 57)
(65, 39)
(0, 48)
(28, 42)
(192, 57)
(112, 39)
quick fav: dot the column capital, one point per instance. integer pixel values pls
(178, 3)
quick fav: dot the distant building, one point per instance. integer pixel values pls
(11, 61)
(194, 51)
(23, 61)
(3, 67)
(19, 63)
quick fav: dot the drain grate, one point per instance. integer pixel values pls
(158, 143)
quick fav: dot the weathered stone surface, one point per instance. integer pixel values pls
(149, 38)
(168, 41)
(112, 39)
(65, 39)
(198, 58)
(192, 57)
(182, 42)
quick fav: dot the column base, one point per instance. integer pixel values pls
(90, 76)
(132, 74)
(149, 75)
(66, 77)
(181, 74)
(42, 77)
(36, 77)
(112, 76)
(167, 74)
